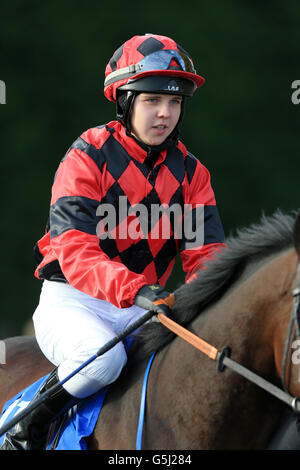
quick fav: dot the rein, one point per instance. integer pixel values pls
(223, 359)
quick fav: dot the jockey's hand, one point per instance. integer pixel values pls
(154, 298)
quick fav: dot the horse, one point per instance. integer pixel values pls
(242, 299)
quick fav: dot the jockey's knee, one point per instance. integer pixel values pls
(101, 372)
(108, 367)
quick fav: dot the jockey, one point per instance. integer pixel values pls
(110, 242)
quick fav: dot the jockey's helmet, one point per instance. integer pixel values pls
(151, 64)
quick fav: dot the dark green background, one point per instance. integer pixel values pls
(242, 124)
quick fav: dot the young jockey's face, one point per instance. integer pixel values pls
(154, 117)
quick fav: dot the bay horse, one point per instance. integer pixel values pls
(242, 299)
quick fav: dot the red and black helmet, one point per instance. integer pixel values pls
(151, 55)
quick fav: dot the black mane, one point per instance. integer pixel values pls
(273, 234)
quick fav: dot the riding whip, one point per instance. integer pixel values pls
(106, 347)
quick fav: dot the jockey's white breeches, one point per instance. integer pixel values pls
(71, 326)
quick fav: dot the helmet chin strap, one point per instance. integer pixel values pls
(124, 103)
(155, 149)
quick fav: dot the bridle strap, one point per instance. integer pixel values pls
(294, 320)
(223, 359)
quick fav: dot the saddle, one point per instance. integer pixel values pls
(70, 431)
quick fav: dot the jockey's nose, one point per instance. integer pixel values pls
(164, 109)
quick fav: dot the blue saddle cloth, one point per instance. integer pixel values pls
(78, 425)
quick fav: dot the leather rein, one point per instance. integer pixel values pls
(224, 360)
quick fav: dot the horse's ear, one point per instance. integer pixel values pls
(296, 234)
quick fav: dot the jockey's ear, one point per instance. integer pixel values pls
(296, 234)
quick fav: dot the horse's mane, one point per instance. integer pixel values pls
(270, 236)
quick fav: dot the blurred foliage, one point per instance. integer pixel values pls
(242, 124)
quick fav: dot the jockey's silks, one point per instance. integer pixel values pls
(104, 236)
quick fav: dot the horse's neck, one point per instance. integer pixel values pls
(188, 400)
(252, 317)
